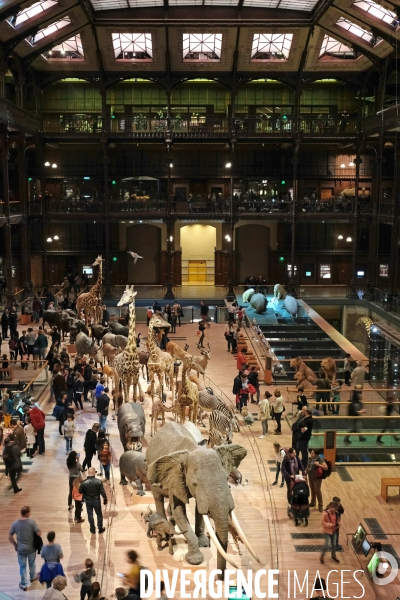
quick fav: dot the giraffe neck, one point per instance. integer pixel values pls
(152, 344)
(131, 345)
(99, 282)
(185, 369)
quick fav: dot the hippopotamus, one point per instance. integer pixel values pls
(132, 466)
(131, 423)
(259, 303)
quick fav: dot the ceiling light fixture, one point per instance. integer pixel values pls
(171, 165)
(171, 238)
(49, 239)
(47, 164)
(54, 166)
(351, 164)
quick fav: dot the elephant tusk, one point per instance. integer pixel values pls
(214, 538)
(243, 537)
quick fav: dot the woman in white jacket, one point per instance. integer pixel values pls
(264, 413)
(278, 410)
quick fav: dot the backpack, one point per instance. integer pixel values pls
(327, 473)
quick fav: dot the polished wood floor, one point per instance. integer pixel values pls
(260, 507)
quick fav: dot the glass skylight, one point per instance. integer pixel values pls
(31, 11)
(376, 10)
(68, 50)
(271, 46)
(202, 46)
(115, 4)
(334, 49)
(358, 31)
(307, 5)
(34, 39)
(132, 46)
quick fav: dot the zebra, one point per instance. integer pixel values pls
(223, 423)
(215, 438)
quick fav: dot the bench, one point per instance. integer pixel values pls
(9, 373)
(387, 482)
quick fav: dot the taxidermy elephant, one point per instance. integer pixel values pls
(179, 469)
(259, 303)
(131, 424)
(132, 466)
(196, 433)
(163, 529)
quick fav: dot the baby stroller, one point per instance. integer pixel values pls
(299, 504)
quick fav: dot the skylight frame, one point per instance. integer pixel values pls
(135, 43)
(71, 45)
(327, 50)
(273, 44)
(376, 11)
(202, 44)
(357, 31)
(49, 30)
(31, 12)
(300, 5)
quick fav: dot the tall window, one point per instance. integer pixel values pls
(202, 46)
(132, 46)
(271, 46)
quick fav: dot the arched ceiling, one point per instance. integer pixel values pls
(215, 38)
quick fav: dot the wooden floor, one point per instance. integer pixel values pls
(261, 508)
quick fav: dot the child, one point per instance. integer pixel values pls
(4, 365)
(340, 511)
(30, 437)
(101, 439)
(78, 391)
(173, 322)
(279, 456)
(8, 408)
(336, 387)
(69, 430)
(105, 459)
(85, 578)
(78, 499)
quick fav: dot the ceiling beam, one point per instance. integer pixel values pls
(320, 10)
(89, 13)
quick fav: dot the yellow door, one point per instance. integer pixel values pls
(197, 271)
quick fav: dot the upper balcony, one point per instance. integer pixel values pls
(18, 118)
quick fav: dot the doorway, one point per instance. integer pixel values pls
(197, 271)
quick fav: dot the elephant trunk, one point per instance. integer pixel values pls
(220, 536)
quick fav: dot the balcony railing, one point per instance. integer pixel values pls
(86, 205)
(15, 207)
(324, 206)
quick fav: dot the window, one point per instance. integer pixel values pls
(289, 270)
(333, 49)
(308, 270)
(325, 271)
(88, 270)
(202, 46)
(286, 4)
(376, 10)
(357, 31)
(34, 39)
(118, 4)
(271, 46)
(31, 11)
(69, 50)
(132, 46)
(383, 270)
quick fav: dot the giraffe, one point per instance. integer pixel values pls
(160, 363)
(190, 391)
(126, 364)
(90, 301)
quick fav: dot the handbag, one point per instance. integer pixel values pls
(37, 542)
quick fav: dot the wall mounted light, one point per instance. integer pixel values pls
(54, 166)
(351, 164)
(342, 166)
(56, 237)
(171, 238)
(349, 239)
(339, 237)
(47, 164)
(49, 239)
(171, 165)
(228, 165)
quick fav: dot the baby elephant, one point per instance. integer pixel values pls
(162, 528)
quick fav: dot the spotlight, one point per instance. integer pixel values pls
(339, 237)
(351, 164)
(349, 239)
(171, 165)
(56, 237)
(228, 165)
(342, 166)
(47, 164)
(49, 239)
(171, 238)
(62, 51)
(54, 166)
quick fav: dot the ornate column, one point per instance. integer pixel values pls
(24, 228)
(5, 157)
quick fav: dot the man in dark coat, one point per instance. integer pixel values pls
(90, 445)
(12, 460)
(301, 433)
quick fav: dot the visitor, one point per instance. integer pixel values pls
(69, 431)
(330, 526)
(55, 338)
(88, 379)
(121, 593)
(253, 380)
(336, 388)
(356, 409)
(78, 391)
(74, 471)
(178, 311)
(78, 499)
(42, 342)
(95, 591)
(240, 315)
(277, 409)
(347, 368)
(358, 375)
(132, 578)
(101, 440)
(103, 402)
(92, 489)
(228, 334)
(232, 310)
(320, 588)
(5, 323)
(19, 433)
(237, 386)
(301, 433)
(315, 467)
(204, 310)
(13, 317)
(85, 578)
(280, 454)
(30, 437)
(25, 528)
(235, 339)
(8, 409)
(264, 413)
(30, 341)
(58, 584)
(51, 554)
(13, 346)
(340, 512)
(90, 445)
(37, 308)
(244, 392)
(12, 461)
(23, 351)
(241, 360)
(59, 385)
(389, 411)
(202, 328)
(99, 389)
(323, 385)
(105, 460)
(173, 321)
(291, 466)
(70, 384)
